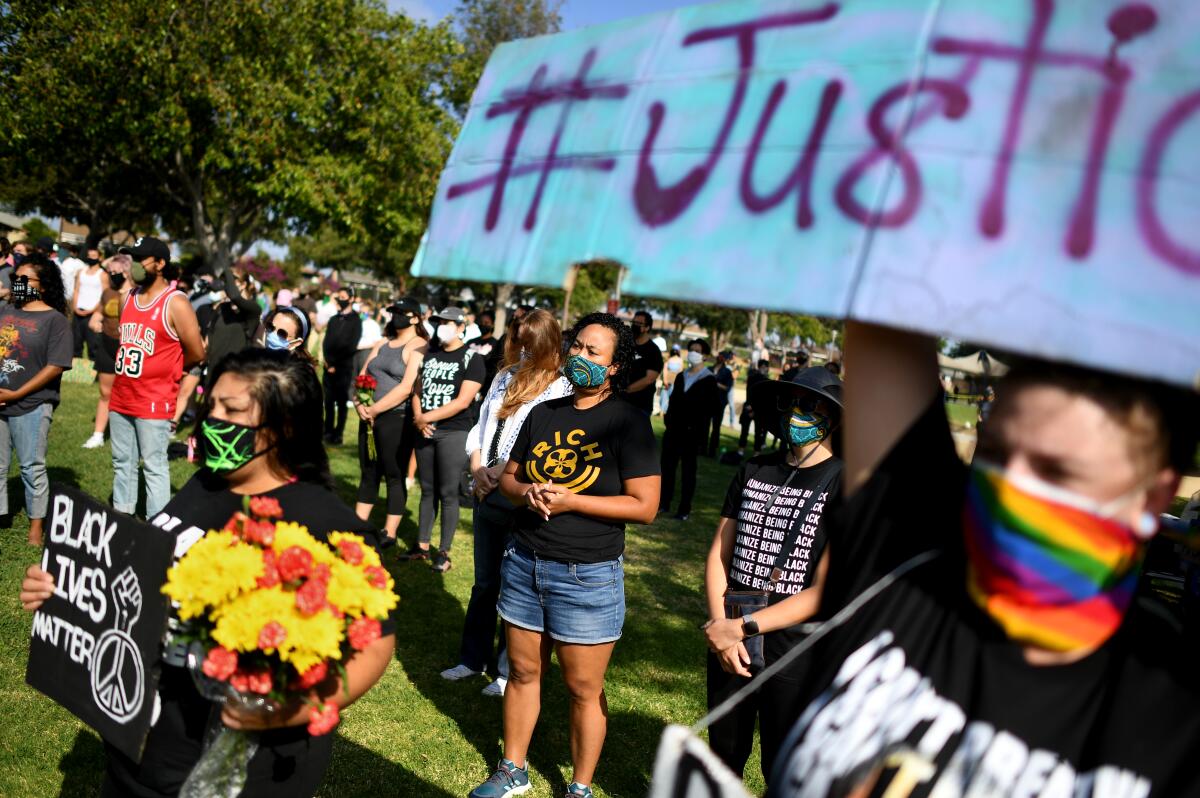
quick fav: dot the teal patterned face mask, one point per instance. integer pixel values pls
(583, 373)
(803, 428)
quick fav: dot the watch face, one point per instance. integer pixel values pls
(749, 626)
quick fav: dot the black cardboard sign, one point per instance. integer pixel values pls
(96, 641)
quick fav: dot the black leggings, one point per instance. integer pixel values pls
(393, 447)
(337, 393)
(440, 463)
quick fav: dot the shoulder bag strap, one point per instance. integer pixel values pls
(790, 541)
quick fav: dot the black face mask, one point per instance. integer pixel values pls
(401, 321)
(486, 329)
(18, 258)
(23, 293)
(91, 261)
(116, 280)
(343, 303)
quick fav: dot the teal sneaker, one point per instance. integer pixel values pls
(507, 780)
(577, 790)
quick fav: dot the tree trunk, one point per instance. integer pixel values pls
(501, 296)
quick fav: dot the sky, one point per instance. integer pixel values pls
(576, 13)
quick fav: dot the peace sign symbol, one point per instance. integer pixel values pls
(118, 681)
(561, 463)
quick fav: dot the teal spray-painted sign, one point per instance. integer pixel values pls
(1024, 173)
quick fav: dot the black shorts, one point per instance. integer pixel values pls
(105, 356)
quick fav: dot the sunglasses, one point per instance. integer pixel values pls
(282, 333)
(804, 404)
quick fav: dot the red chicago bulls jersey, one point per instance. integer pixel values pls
(149, 361)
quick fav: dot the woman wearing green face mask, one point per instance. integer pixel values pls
(257, 437)
(581, 468)
(767, 561)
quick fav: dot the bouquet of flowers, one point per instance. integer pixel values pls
(364, 392)
(269, 612)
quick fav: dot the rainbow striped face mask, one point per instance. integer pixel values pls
(1054, 569)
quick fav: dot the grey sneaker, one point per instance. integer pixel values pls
(508, 779)
(441, 562)
(577, 790)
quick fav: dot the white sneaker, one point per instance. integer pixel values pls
(94, 442)
(458, 673)
(496, 688)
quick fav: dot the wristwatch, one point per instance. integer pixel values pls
(749, 626)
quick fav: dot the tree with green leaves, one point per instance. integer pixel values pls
(229, 122)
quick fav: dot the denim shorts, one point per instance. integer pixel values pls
(572, 602)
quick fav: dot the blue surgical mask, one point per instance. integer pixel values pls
(583, 373)
(800, 429)
(277, 342)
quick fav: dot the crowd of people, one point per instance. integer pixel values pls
(547, 433)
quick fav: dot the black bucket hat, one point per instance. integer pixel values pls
(817, 380)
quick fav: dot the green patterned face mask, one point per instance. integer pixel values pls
(227, 446)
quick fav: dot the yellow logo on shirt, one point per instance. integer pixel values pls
(565, 461)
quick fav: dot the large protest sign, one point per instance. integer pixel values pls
(96, 641)
(1022, 173)
(685, 767)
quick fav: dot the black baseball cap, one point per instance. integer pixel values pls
(405, 304)
(147, 247)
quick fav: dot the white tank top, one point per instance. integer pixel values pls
(90, 289)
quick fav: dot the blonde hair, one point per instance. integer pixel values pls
(541, 336)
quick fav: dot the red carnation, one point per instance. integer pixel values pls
(376, 576)
(265, 507)
(363, 632)
(259, 532)
(321, 573)
(251, 680)
(350, 551)
(271, 635)
(294, 563)
(310, 598)
(322, 719)
(311, 677)
(220, 663)
(365, 382)
(270, 576)
(234, 524)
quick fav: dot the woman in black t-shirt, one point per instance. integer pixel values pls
(443, 413)
(279, 398)
(770, 547)
(582, 467)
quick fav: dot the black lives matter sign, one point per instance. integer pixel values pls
(96, 641)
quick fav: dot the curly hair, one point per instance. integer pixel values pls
(50, 279)
(623, 353)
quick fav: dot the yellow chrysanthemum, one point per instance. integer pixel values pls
(352, 593)
(238, 622)
(311, 638)
(288, 534)
(214, 570)
(370, 556)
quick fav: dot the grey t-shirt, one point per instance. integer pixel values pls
(30, 341)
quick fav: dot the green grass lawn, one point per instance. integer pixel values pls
(414, 733)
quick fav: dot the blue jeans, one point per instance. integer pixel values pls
(146, 438)
(493, 523)
(28, 435)
(571, 602)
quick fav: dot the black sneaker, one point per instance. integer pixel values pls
(417, 553)
(441, 562)
(386, 543)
